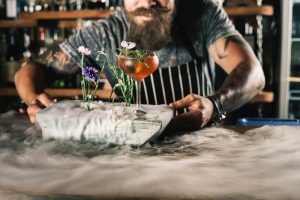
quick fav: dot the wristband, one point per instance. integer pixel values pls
(221, 112)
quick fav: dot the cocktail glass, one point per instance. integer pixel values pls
(138, 69)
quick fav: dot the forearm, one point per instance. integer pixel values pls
(245, 76)
(29, 81)
(242, 84)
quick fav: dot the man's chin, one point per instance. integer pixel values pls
(149, 32)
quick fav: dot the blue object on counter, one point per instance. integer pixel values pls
(267, 121)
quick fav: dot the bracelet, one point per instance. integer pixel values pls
(221, 112)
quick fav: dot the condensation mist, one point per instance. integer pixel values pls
(213, 163)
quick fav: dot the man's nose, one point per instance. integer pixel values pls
(147, 3)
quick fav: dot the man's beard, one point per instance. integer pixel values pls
(153, 35)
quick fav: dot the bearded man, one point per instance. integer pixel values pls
(189, 37)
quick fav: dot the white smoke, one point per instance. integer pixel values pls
(214, 163)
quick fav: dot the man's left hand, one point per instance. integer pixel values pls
(200, 112)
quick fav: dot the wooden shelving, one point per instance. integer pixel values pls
(18, 23)
(8, 92)
(83, 14)
(264, 10)
(54, 92)
(30, 19)
(297, 39)
(67, 23)
(294, 79)
(263, 97)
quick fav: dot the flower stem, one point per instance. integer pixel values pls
(96, 87)
(83, 81)
(89, 91)
(83, 90)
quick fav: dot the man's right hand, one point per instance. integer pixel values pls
(39, 102)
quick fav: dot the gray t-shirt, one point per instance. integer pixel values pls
(184, 64)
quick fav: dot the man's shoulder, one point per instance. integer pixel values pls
(196, 9)
(196, 5)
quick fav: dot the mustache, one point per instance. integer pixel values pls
(153, 11)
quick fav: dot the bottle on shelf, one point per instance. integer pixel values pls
(11, 64)
(58, 35)
(71, 5)
(79, 4)
(98, 4)
(92, 4)
(112, 4)
(48, 36)
(11, 9)
(249, 35)
(115, 4)
(2, 9)
(38, 6)
(3, 49)
(245, 27)
(60, 83)
(3, 45)
(42, 48)
(29, 6)
(62, 6)
(85, 4)
(104, 4)
(296, 21)
(68, 5)
(12, 48)
(27, 45)
(47, 5)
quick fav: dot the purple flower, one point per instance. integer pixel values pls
(90, 73)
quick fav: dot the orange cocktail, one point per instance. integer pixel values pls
(139, 68)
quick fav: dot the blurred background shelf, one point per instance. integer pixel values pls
(58, 92)
(294, 79)
(263, 97)
(83, 14)
(296, 39)
(27, 18)
(294, 95)
(265, 10)
(18, 23)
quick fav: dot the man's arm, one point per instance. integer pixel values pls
(244, 81)
(246, 77)
(29, 79)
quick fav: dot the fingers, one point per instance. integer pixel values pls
(205, 106)
(183, 103)
(39, 102)
(200, 112)
(32, 110)
(190, 121)
(44, 100)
